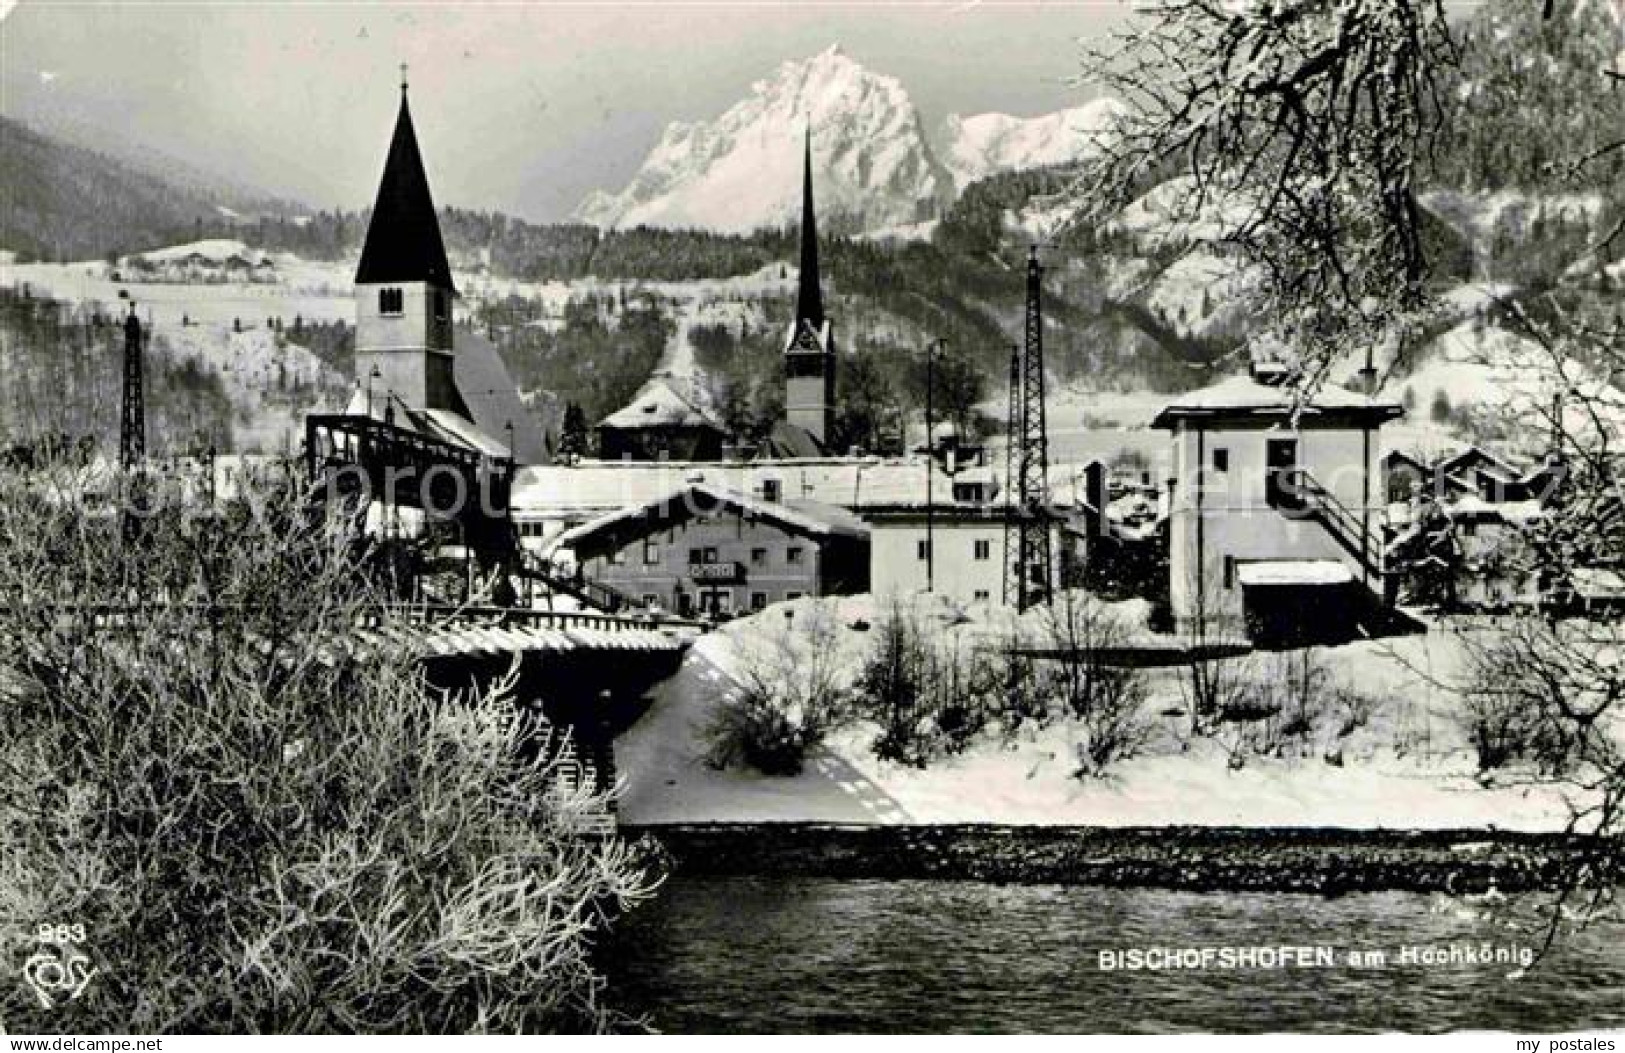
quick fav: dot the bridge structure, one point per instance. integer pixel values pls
(582, 677)
(581, 672)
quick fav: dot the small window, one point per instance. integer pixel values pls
(770, 490)
(651, 600)
(758, 557)
(792, 555)
(618, 557)
(984, 548)
(758, 600)
(792, 595)
(391, 301)
(982, 595)
(1229, 572)
(1221, 459)
(696, 555)
(651, 553)
(922, 549)
(708, 555)
(439, 305)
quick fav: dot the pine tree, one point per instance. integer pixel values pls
(1441, 409)
(573, 433)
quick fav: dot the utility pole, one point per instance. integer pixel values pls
(133, 423)
(931, 351)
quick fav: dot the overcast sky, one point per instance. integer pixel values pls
(519, 107)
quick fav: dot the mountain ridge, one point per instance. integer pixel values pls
(876, 163)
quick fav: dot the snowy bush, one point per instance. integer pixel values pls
(1105, 701)
(930, 697)
(1535, 694)
(261, 816)
(792, 691)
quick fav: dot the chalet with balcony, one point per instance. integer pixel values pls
(705, 550)
(1276, 508)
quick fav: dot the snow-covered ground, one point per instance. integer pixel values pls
(1408, 767)
(316, 292)
(1486, 216)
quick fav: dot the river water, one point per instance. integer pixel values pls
(817, 955)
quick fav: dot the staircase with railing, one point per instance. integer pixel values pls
(1294, 492)
(594, 594)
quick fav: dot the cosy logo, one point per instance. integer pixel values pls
(58, 971)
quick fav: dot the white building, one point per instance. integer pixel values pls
(955, 551)
(1277, 508)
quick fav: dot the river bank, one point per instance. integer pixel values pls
(1189, 858)
(1403, 761)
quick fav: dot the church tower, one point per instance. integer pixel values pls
(809, 347)
(403, 287)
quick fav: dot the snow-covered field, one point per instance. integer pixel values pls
(1408, 767)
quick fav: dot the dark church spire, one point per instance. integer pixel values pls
(810, 298)
(403, 241)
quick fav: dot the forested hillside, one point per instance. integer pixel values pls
(64, 202)
(61, 375)
(1135, 303)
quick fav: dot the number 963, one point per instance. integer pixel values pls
(48, 933)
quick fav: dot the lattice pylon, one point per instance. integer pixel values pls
(1032, 561)
(1012, 482)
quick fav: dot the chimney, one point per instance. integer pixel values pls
(1368, 375)
(1098, 494)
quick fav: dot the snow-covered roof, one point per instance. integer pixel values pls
(1477, 453)
(1293, 572)
(436, 424)
(589, 488)
(790, 441)
(1245, 396)
(211, 250)
(1472, 506)
(459, 429)
(661, 404)
(1598, 583)
(803, 517)
(1393, 456)
(945, 512)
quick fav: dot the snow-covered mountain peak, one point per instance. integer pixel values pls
(976, 147)
(872, 165)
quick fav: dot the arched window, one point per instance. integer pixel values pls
(390, 301)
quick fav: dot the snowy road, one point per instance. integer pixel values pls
(661, 764)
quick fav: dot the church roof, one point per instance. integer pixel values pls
(788, 441)
(809, 294)
(661, 403)
(403, 240)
